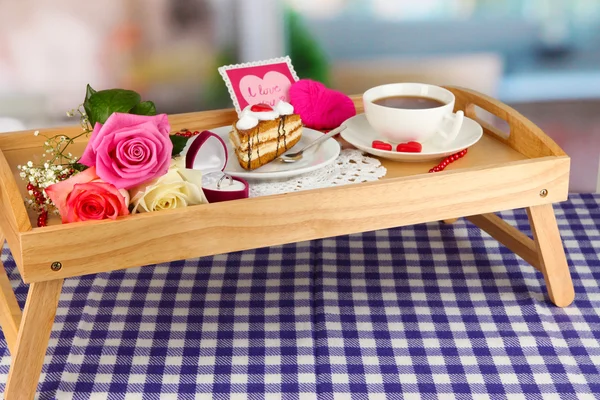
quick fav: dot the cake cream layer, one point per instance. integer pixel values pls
(267, 130)
(266, 137)
(265, 158)
(266, 147)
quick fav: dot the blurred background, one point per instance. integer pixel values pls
(540, 56)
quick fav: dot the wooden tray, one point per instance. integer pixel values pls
(524, 170)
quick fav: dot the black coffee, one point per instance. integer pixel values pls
(409, 102)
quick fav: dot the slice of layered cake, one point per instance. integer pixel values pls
(263, 133)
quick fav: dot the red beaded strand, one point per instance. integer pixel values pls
(39, 199)
(42, 219)
(187, 133)
(448, 160)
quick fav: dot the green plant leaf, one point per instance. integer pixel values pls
(89, 92)
(144, 108)
(179, 143)
(79, 167)
(101, 105)
(309, 57)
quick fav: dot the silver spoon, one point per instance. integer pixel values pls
(297, 156)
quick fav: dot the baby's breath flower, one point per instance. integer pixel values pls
(46, 173)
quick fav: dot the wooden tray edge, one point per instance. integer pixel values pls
(92, 247)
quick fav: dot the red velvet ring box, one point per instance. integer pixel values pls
(208, 153)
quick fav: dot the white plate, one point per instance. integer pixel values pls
(361, 135)
(313, 159)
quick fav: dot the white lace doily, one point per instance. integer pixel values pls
(351, 166)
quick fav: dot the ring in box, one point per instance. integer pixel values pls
(208, 153)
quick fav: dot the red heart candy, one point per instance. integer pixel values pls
(261, 107)
(379, 145)
(410, 147)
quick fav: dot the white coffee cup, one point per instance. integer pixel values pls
(403, 125)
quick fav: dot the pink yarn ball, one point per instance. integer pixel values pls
(320, 107)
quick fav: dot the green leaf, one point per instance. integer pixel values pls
(310, 59)
(179, 143)
(79, 167)
(144, 108)
(101, 105)
(89, 92)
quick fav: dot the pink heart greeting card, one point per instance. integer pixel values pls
(266, 82)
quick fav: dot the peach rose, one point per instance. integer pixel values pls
(85, 197)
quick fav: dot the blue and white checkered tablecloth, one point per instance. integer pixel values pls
(428, 311)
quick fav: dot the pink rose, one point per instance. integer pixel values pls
(129, 150)
(85, 197)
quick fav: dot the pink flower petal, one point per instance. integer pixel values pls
(133, 152)
(94, 201)
(89, 154)
(59, 192)
(110, 143)
(147, 147)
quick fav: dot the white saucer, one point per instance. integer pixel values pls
(361, 135)
(314, 158)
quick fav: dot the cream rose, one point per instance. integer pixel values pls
(179, 187)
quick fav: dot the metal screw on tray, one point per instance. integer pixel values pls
(543, 193)
(56, 266)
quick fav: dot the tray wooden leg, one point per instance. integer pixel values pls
(545, 252)
(553, 262)
(508, 235)
(10, 312)
(32, 340)
(450, 221)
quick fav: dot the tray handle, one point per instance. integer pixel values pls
(525, 137)
(13, 214)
